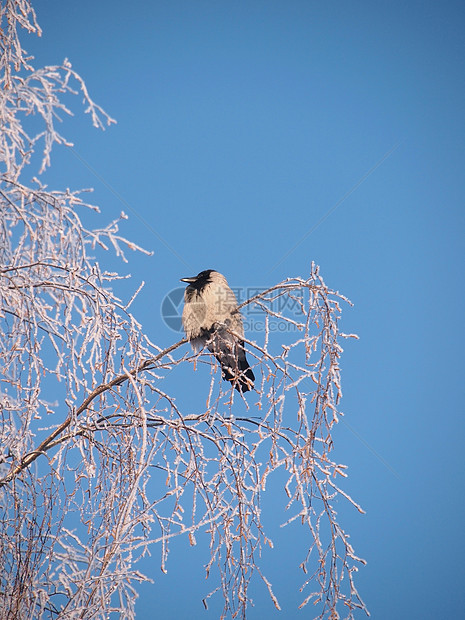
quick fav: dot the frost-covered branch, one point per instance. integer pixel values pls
(51, 440)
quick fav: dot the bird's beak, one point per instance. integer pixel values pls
(188, 280)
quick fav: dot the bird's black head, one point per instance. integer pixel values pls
(200, 280)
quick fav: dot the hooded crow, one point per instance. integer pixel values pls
(210, 315)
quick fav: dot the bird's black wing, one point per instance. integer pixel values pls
(230, 353)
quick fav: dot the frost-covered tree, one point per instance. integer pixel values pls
(87, 425)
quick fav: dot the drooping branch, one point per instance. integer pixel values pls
(104, 387)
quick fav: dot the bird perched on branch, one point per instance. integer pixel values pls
(210, 317)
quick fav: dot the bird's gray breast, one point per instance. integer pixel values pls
(215, 303)
(194, 312)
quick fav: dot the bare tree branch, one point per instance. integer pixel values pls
(47, 443)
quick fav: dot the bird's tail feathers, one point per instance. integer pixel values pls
(243, 380)
(230, 353)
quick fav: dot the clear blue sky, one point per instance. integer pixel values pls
(241, 124)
